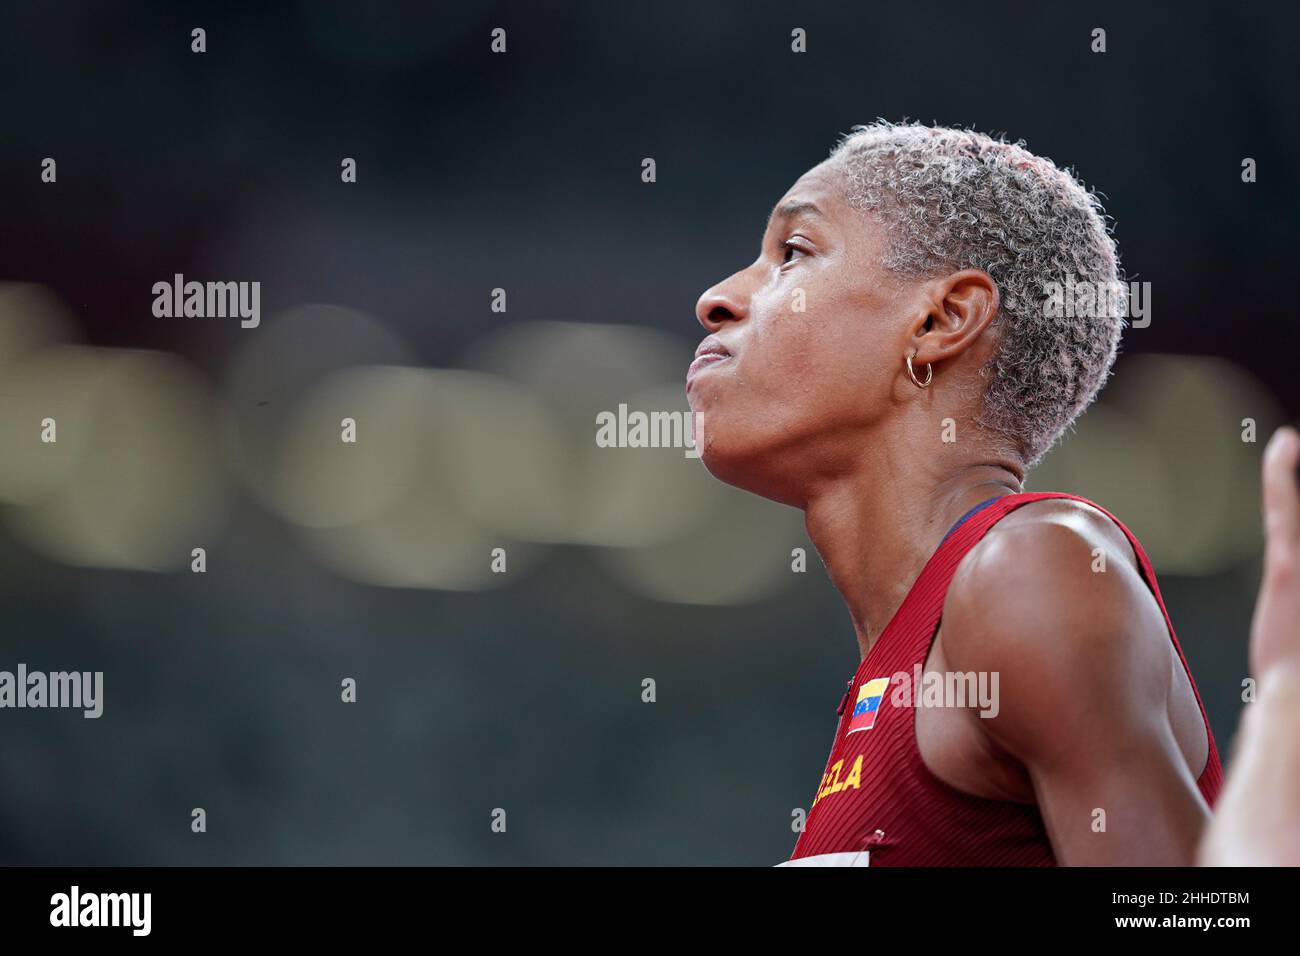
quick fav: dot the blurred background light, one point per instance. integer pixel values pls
(31, 317)
(277, 364)
(391, 508)
(135, 479)
(1163, 450)
(619, 497)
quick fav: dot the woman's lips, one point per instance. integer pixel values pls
(707, 360)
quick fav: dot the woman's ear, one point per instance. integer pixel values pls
(962, 306)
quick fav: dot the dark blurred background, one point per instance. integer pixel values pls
(521, 171)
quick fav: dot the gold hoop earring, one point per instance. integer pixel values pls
(929, 374)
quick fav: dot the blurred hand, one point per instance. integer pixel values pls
(1257, 817)
(1275, 631)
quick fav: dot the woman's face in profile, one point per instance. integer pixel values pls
(805, 344)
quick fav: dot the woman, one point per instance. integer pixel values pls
(892, 363)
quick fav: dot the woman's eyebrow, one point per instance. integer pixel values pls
(794, 208)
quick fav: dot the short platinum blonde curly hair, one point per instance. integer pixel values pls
(953, 199)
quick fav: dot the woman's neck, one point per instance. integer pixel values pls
(877, 527)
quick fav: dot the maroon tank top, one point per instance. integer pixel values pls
(878, 803)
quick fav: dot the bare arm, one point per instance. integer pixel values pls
(1085, 677)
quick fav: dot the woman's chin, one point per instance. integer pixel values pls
(744, 469)
(721, 465)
